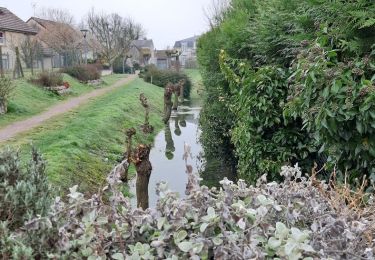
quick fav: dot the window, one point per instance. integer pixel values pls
(2, 37)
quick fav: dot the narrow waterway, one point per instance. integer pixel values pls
(168, 149)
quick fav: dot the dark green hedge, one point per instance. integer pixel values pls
(162, 77)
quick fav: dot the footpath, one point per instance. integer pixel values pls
(16, 128)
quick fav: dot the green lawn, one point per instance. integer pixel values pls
(28, 99)
(82, 146)
(197, 88)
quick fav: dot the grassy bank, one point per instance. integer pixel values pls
(28, 99)
(83, 145)
(197, 90)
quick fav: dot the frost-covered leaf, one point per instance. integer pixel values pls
(263, 200)
(161, 222)
(306, 247)
(118, 256)
(217, 241)
(185, 246)
(274, 243)
(281, 231)
(298, 235)
(241, 224)
(203, 227)
(179, 236)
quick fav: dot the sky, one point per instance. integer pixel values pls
(165, 21)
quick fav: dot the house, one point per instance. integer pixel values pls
(13, 31)
(166, 59)
(62, 44)
(188, 50)
(142, 52)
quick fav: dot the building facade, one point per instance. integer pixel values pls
(13, 32)
(188, 51)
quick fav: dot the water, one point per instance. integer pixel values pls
(166, 154)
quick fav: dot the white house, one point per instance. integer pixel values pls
(188, 50)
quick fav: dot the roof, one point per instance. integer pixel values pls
(165, 54)
(143, 44)
(161, 54)
(189, 40)
(11, 22)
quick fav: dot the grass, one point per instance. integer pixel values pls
(28, 99)
(197, 87)
(82, 146)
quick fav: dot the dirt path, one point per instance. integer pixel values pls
(12, 130)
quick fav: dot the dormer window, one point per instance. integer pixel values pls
(2, 38)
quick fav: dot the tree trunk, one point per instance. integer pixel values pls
(3, 106)
(128, 154)
(18, 66)
(146, 127)
(167, 102)
(144, 168)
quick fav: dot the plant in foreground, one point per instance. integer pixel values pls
(295, 219)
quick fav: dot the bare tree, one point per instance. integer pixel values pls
(63, 39)
(56, 15)
(114, 34)
(31, 50)
(216, 11)
(60, 34)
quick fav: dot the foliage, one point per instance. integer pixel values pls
(162, 77)
(6, 88)
(118, 66)
(277, 96)
(264, 141)
(335, 101)
(83, 73)
(24, 193)
(48, 79)
(215, 118)
(300, 218)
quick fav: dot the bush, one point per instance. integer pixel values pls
(6, 89)
(234, 222)
(83, 73)
(48, 79)
(117, 67)
(285, 103)
(162, 77)
(23, 193)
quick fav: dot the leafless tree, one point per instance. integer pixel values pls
(60, 33)
(31, 50)
(216, 11)
(114, 34)
(63, 39)
(56, 15)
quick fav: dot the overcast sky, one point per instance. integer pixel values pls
(165, 21)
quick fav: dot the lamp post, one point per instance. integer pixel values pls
(84, 32)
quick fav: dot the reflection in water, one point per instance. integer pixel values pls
(169, 146)
(166, 156)
(177, 130)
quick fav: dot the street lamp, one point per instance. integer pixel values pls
(84, 32)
